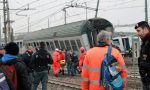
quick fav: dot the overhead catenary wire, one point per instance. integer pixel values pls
(117, 8)
(66, 3)
(45, 9)
(35, 24)
(67, 17)
(39, 20)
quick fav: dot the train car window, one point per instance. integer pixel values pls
(52, 46)
(116, 42)
(68, 46)
(37, 44)
(34, 44)
(21, 45)
(126, 43)
(48, 46)
(18, 44)
(57, 44)
(62, 45)
(31, 44)
(74, 46)
(79, 43)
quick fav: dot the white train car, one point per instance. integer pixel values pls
(125, 43)
(69, 36)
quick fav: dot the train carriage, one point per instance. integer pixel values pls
(69, 36)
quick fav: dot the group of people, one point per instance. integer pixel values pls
(71, 59)
(93, 64)
(38, 63)
(30, 68)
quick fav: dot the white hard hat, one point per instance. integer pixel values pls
(56, 49)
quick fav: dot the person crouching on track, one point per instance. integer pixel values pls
(81, 57)
(56, 64)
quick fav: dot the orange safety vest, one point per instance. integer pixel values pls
(92, 65)
(56, 64)
(81, 59)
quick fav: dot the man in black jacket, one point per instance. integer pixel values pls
(143, 31)
(40, 61)
(9, 58)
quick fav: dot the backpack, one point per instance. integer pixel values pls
(10, 74)
(3, 82)
(110, 77)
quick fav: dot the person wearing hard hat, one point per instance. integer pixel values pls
(56, 64)
(81, 57)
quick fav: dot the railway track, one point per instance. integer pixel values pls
(54, 84)
(65, 84)
(73, 83)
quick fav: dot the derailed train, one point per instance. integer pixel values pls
(68, 36)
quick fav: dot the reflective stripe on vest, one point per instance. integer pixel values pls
(94, 70)
(91, 81)
(94, 82)
(91, 69)
(85, 79)
(85, 66)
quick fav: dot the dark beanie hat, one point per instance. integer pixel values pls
(11, 48)
(42, 45)
(142, 24)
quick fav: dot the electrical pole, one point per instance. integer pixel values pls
(97, 9)
(8, 23)
(64, 9)
(28, 24)
(7, 30)
(146, 11)
(86, 9)
(48, 22)
(5, 22)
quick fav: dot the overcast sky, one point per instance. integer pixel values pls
(116, 11)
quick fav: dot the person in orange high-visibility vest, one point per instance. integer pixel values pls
(91, 70)
(56, 64)
(81, 57)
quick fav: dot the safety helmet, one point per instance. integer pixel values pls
(82, 49)
(56, 49)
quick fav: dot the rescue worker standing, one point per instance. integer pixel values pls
(56, 64)
(93, 60)
(81, 57)
(143, 31)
